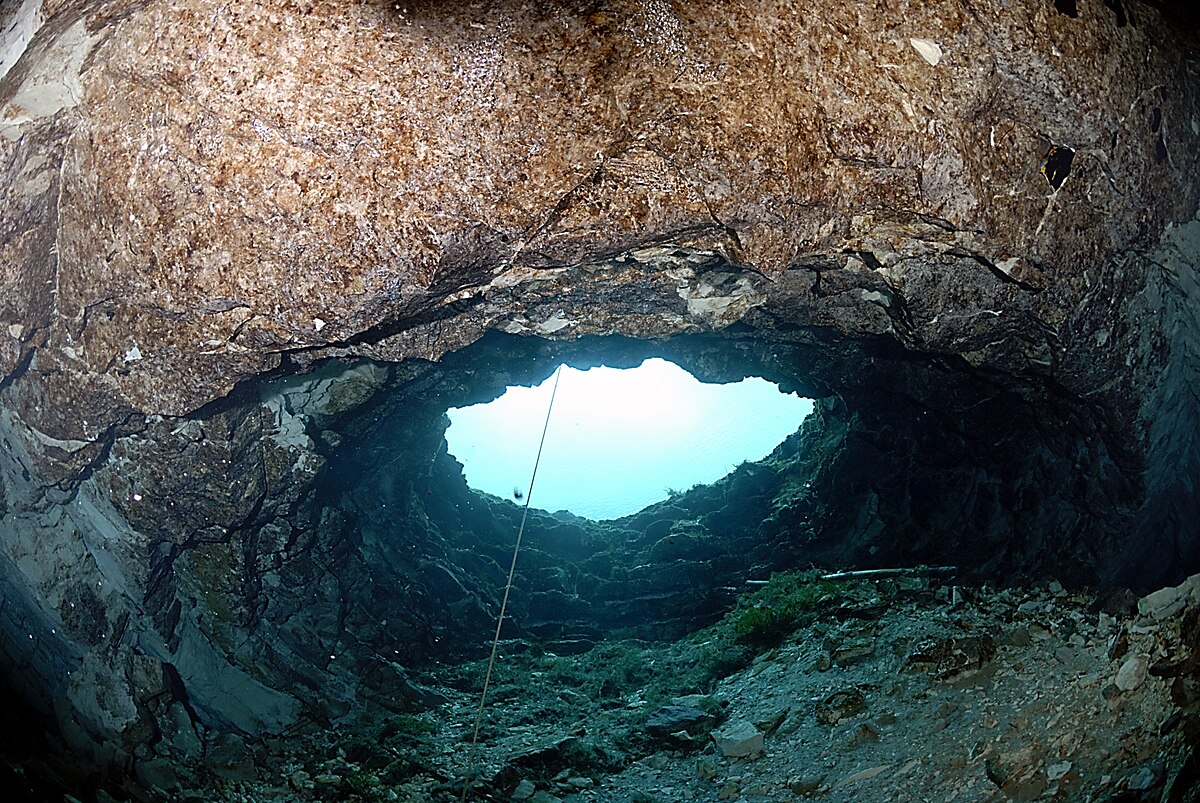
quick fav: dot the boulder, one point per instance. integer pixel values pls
(672, 719)
(739, 739)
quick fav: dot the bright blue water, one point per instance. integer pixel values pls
(619, 440)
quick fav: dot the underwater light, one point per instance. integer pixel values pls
(619, 439)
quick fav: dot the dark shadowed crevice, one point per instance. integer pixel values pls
(1066, 7)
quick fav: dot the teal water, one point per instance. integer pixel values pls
(619, 439)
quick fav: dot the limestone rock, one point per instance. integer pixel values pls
(739, 739)
(1167, 602)
(1132, 673)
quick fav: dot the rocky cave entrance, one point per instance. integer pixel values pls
(903, 461)
(618, 439)
(232, 331)
(435, 550)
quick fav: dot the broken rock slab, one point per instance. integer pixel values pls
(672, 719)
(1167, 602)
(739, 739)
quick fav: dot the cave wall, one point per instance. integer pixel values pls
(249, 253)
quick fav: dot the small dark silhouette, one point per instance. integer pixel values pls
(517, 494)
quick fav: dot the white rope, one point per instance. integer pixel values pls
(487, 677)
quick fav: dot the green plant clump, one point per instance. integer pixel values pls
(408, 725)
(788, 601)
(761, 620)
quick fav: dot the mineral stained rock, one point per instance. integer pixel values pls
(250, 252)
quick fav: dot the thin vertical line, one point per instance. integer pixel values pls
(512, 569)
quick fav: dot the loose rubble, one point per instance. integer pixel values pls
(964, 694)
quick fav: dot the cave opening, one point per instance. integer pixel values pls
(433, 549)
(620, 439)
(902, 461)
(373, 587)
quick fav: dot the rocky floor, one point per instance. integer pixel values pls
(894, 689)
(901, 688)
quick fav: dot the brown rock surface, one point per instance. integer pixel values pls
(218, 185)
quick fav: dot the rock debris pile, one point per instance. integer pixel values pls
(899, 690)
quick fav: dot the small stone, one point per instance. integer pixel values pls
(328, 779)
(929, 50)
(525, 790)
(864, 733)
(739, 739)
(301, 781)
(863, 775)
(706, 769)
(806, 785)
(823, 662)
(1056, 588)
(1132, 673)
(1028, 607)
(840, 705)
(1056, 771)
